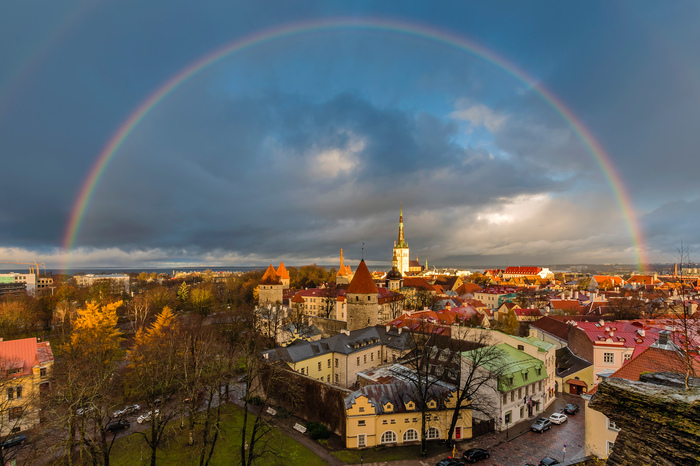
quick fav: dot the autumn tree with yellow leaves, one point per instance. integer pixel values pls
(155, 373)
(82, 395)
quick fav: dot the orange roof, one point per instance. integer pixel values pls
(24, 354)
(651, 360)
(297, 299)
(468, 288)
(282, 272)
(362, 281)
(270, 277)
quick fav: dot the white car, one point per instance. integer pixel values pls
(146, 417)
(128, 410)
(558, 418)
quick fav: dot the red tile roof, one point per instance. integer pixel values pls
(362, 281)
(24, 354)
(553, 326)
(282, 272)
(522, 271)
(468, 288)
(627, 333)
(270, 277)
(417, 282)
(651, 359)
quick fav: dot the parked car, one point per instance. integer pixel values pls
(116, 426)
(558, 418)
(449, 462)
(146, 417)
(131, 409)
(475, 454)
(541, 424)
(571, 409)
(84, 410)
(14, 441)
(547, 461)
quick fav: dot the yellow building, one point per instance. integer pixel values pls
(26, 364)
(388, 414)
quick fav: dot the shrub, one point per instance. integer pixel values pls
(317, 431)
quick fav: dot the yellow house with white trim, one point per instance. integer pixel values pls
(389, 414)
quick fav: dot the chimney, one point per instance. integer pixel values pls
(345, 331)
(388, 327)
(576, 295)
(602, 322)
(400, 329)
(663, 337)
(641, 332)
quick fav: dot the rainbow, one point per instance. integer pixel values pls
(411, 29)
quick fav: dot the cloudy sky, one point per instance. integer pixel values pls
(300, 144)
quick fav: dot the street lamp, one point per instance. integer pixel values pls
(362, 460)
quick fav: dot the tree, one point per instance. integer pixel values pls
(138, 312)
(202, 300)
(689, 341)
(508, 323)
(183, 292)
(155, 373)
(81, 397)
(627, 308)
(329, 299)
(479, 368)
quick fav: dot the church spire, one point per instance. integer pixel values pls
(401, 243)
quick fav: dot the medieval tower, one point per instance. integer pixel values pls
(270, 288)
(362, 299)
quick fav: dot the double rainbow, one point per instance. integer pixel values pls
(411, 29)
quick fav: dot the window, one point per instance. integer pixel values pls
(539, 386)
(539, 371)
(627, 357)
(612, 426)
(527, 390)
(511, 381)
(15, 413)
(385, 422)
(609, 358)
(336, 362)
(10, 393)
(521, 348)
(329, 363)
(365, 357)
(520, 393)
(393, 421)
(42, 372)
(526, 376)
(611, 445)
(319, 365)
(19, 392)
(407, 420)
(361, 423)
(361, 440)
(512, 396)
(410, 435)
(522, 412)
(358, 360)
(388, 437)
(362, 410)
(336, 378)
(505, 398)
(509, 416)
(302, 372)
(371, 356)
(432, 433)
(415, 419)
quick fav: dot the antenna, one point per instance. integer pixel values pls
(363, 250)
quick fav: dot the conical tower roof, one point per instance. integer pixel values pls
(362, 282)
(282, 272)
(270, 277)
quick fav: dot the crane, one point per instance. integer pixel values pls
(34, 270)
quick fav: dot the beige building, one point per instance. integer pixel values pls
(27, 363)
(389, 414)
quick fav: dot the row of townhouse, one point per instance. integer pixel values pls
(339, 358)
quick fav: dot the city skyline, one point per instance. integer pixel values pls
(242, 133)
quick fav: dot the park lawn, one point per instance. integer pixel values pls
(174, 450)
(382, 454)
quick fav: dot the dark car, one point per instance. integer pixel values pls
(449, 462)
(571, 409)
(540, 425)
(475, 454)
(117, 425)
(14, 441)
(547, 461)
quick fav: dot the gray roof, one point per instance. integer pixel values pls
(568, 363)
(357, 340)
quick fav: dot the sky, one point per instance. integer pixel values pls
(512, 133)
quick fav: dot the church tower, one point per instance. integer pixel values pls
(401, 248)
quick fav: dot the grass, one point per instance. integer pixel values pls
(381, 454)
(132, 450)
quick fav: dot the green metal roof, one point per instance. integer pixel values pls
(541, 345)
(515, 365)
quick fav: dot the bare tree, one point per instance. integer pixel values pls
(689, 341)
(329, 299)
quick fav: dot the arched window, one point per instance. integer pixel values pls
(410, 435)
(433, 433)
(388, 437)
